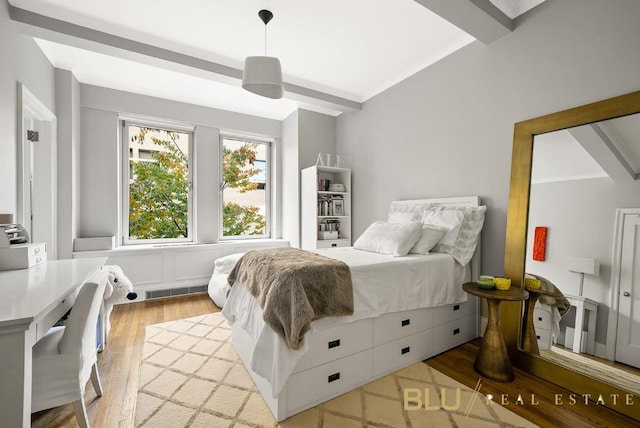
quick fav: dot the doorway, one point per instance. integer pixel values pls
(37, 170)
(623, 336)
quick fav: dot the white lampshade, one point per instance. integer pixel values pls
(584, 265)
(263, 76)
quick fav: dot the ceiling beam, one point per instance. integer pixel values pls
(479, 18)
(604, 152)
(64, 32)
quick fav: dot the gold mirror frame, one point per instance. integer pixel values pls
(515, 245)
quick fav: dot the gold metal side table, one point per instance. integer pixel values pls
(492, 360)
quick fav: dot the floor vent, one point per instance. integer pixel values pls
(172, 292)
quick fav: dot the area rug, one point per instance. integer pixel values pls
(191, 376)
(592, 368)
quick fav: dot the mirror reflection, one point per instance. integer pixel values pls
(583, 251)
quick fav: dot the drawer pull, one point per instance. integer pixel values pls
(539, 318)
(406, 322)
(333, 377)
(456, 331)
(334, 245)
(36, 250)
(456, 307)
(334, 343)
(537, 337)
(405, 350)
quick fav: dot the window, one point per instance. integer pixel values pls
(245, 187)
(157, 183)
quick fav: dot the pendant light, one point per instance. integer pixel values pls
(262, 74)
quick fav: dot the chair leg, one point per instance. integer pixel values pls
(95, 379)
(81, 413)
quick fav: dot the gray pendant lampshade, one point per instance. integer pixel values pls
(262, 75)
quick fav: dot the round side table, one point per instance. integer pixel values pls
(492, 360)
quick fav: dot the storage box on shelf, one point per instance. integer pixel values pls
(326, 207)
(15, 250)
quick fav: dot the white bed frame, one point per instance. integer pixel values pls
(343, 358)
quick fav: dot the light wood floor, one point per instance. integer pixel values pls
(119, 364)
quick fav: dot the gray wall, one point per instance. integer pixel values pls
(20, 61)
(69, 134)
(100, 163)
(317, 135)
(305, 134)
(580, 217)
(447, 130)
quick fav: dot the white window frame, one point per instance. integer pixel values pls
(125, 122)
(269, 142)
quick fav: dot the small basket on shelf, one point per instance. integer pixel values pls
(502, 283)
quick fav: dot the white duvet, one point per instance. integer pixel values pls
(381, 284)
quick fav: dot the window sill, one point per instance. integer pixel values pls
(223, 246)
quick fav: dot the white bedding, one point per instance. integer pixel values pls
(381, 284)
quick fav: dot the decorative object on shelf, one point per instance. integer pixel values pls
(330, 161)
(532, 283)
(320, 160)
(502, 283)
(263, 74)
(539, 243)
(336, 187)
(584, 265)
(340, 161)
(487, 284)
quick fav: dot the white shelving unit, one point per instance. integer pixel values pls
(321, 207)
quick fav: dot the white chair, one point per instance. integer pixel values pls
(66, 357)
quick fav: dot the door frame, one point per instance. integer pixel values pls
(616, 264)
(29, 106)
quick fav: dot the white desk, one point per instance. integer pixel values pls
(31, 301)
(584, 304)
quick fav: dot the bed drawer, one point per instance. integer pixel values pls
(454, 333)
(337, 342)
(444, 314)
(328, 380)
(395, 325)
(401, 352)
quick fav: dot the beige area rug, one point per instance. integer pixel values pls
(595, 369)
(191, 376)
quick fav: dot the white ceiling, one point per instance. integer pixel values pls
(353, 49)
(609, 148)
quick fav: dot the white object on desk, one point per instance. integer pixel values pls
(32, 301)
(582, 304)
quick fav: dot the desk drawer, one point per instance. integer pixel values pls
(542, 318)
(401, 352)
(337, 342)
(328, 380)
(543, 336)
(454, 333)
(444, 314)
(395, 325)
(46, 322)
(22, 256)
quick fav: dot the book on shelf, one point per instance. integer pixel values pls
(330, 205)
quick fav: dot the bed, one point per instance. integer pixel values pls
(406, 309)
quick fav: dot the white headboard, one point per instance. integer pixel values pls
(459, 201)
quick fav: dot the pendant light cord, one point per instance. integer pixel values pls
(265, 39)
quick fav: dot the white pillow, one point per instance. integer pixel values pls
(467, 235)
(406, 211)
(448, 217)
(225, 264)
(395, 239)
(431, 235)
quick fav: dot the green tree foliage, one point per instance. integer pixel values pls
(237, 173)
(158, 196)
